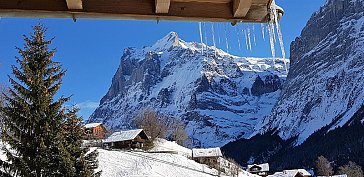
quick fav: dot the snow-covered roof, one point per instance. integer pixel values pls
(290, 173)
(92, 125)
(123, 135)
(295, 171)
(209, 152)
(264, 166)
(336, 176)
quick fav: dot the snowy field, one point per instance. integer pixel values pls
(131, 164)
(2, 154)
(139, 164)
(118, 163)
(162, 145)
(174, 162)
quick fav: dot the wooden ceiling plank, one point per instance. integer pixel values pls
(133, 9)
(162, 6)
(74, 4)
(204, 1)
(241, 8)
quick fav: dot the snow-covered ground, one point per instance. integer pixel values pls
(131, 164)
(114, 163)
(162, 145)
(2, 154)
(118, 163)
(172, 160)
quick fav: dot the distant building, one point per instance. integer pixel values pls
(259, 169)
(126, 139)
(292, 173)
(209, 156)
(94, 131)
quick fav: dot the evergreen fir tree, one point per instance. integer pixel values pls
(2, 103)
(84, 158)
(35, 124)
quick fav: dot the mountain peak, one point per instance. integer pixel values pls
(165, 43)
(171, 35)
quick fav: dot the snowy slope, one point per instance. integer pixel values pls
(131, 164)
(2, 154)
(220, 97)
(325, 82)
(162, 145)
(128, 164)
(119, 163)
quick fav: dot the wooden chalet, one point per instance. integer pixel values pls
(259, 169)
(208, 156)
(233, 11)
(95, 131)
(292, 173)
(126, 139)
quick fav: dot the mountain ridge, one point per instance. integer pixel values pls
(324, 84)
(219, 96)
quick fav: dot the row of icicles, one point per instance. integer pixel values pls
(221, 31)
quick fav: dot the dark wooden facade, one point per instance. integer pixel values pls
(257, 170)
(212, 162)
(95, 133)
(137, 142)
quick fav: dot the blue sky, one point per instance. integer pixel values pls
(90, 50)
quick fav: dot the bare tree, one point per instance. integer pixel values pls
(351, 169)
(323, 167)
(162, 126)
(234, 167)
(178, 132)
(152, 124)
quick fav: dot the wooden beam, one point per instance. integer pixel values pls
(179, 10)
(162, 6)
(241, 8)
(74, 4)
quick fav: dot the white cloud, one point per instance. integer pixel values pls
(87, 105)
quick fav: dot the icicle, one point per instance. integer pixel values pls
(273, 32)
(226, 40)
(246, 39)
(201, 37)
(263, 33)
(279, 33)
(271, 40)
(249, 39)
(213, 38)
(218, 33)
(254, 39)
(206, 42)
(237, 33)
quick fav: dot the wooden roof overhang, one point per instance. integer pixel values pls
(180, 10)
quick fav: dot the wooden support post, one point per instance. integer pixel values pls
(241, 8)
(74, 4)
(162, 6)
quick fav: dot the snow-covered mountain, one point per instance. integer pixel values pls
(325, 84)
(219, 96)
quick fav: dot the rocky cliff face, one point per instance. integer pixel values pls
(325, 82)
(220, 97)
